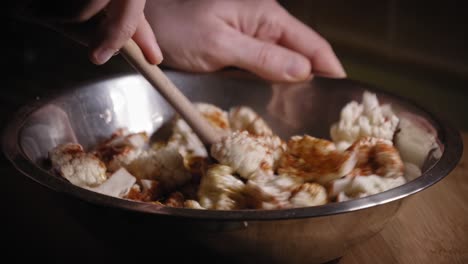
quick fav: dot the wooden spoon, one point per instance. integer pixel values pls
(133, 54)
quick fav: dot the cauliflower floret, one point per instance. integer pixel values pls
(309, 194)
(275, 146)
(80, 168)
(220, 190)
(217, 117)
(164, 165)
(192, 204)
(314, 159)
(187, 142)
(175, 199)
(118, 184)
(368, 119)
(145, 190)
(411, 171)
(362, 186)
(377, 156)
(416, 139)
(271, 193)
(243, 118)
(121, 149)
(244, 153)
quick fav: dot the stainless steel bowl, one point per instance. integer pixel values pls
(92, 111)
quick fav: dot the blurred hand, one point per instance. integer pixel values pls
(259, 36)
(121, 20)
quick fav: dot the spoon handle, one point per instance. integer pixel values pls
(133, 54)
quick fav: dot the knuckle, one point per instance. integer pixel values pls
(269, 29)
(264, 54)
(118, 33)
(126, 29)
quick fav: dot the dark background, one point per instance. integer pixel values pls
(417, 49)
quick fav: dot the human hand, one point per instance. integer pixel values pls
(259, 36)
(109, 29)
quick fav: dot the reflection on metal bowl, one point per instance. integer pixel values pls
(91, 112)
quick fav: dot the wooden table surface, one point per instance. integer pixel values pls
(431, 227)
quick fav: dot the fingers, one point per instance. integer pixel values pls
(146, 40)
(118, 25)
(299, 37)
(265, 59)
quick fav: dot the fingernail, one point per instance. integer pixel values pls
(336, 65)
(330, 67)
(102, 55)
(297, 69)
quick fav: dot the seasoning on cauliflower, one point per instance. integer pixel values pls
(243, 118)
(175, 199)
(308, 194)
(121, 148)
(80, 168)
(221, 190)
(217, 117)
(377, 156)
(314, 159)
(368, 119)
(275, 147)
(187, 142)
(118, 185)
(361, 186)
(272, 193)
(145, 190)
(164, 165)
(244, 153)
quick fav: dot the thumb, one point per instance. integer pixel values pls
(267, 60)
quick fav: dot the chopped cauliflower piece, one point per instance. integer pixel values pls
(411, 171)
(118, 184)
(309, 194)
(187, 142)
(314, 159)
(217, 117)
(121, 149)
(362, 186)
(338, 186)
(243, 118)
(145, 191)
(164, 165)
(275, 147)
(377, 156)
(368, 119)
(416, 139)
(221, 190)
(244, 153)
(192, 204)
(272, 193)
(80, 168)
(175, 199)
